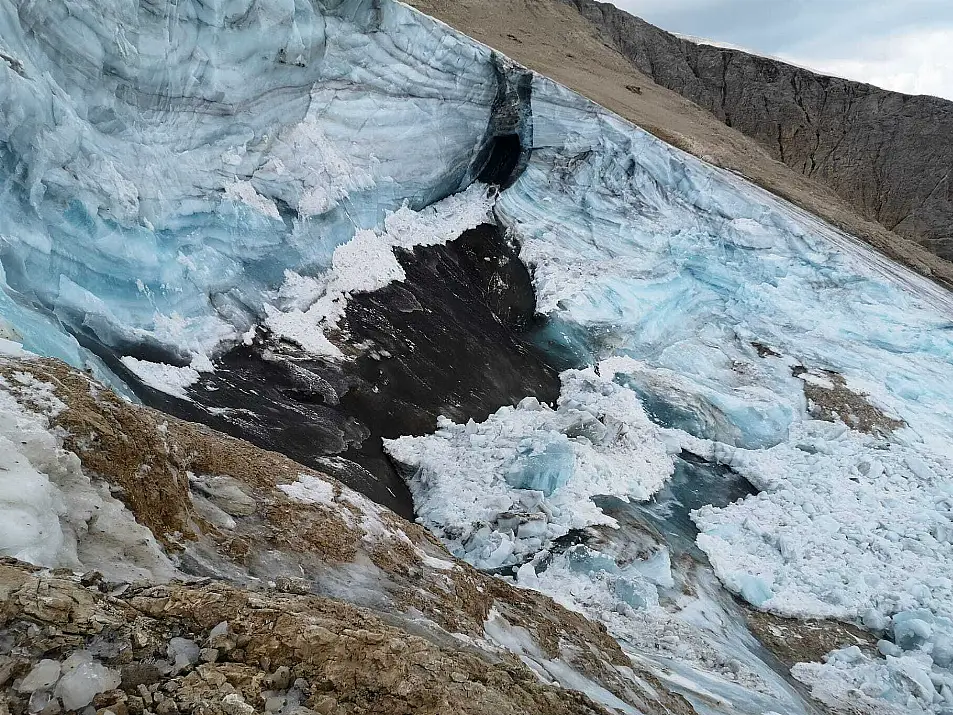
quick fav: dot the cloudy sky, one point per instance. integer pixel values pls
(905, 45)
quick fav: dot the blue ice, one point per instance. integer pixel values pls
(545, 470)
(126, 128)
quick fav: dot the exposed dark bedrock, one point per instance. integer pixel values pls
(449, 340)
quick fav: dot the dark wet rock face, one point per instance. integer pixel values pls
(447, 341)
(887, 154)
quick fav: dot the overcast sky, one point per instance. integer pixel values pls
(905, 45)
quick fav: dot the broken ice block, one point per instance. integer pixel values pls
(545, 471)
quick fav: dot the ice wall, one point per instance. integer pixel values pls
(164, 163)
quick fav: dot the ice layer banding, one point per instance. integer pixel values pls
(179, 174)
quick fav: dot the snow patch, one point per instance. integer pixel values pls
(308, 307)
(245, 192)
(169, 379)
(310, 490)
(51, 513)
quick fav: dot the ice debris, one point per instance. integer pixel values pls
(500, 491)
(75, 681)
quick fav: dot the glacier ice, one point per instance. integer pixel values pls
(165, 164)
(176, 174)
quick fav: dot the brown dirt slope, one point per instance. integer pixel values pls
(554, 39)
(887, 154)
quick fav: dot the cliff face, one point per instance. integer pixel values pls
(887, 154)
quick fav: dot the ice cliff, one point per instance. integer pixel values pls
(164, 164)
(182, 180)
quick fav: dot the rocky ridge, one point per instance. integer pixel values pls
(887, 154)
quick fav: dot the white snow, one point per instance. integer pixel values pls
(51, 513)
(244, 192)
(307, 307)
(310, 490)
(169, 379)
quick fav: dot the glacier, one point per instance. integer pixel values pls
(164, 164)
(761, 340)
(179, 177)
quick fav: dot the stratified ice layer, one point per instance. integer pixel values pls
(163, 164)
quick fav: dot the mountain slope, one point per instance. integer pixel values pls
(582, 50)
(887, 154)
(632, 391)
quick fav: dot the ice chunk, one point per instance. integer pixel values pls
(83, 679)
(911, 630)
(545, 471)
(657, 569)
(183, 653)
(754, 590)
(43, 676)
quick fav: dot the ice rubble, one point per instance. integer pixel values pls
(164, 165)
(501, 491)
(707, 297)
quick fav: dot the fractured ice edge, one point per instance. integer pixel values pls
(176, 176)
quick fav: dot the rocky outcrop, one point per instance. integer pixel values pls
(888, 154)
(290, 593)
(211, 648)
